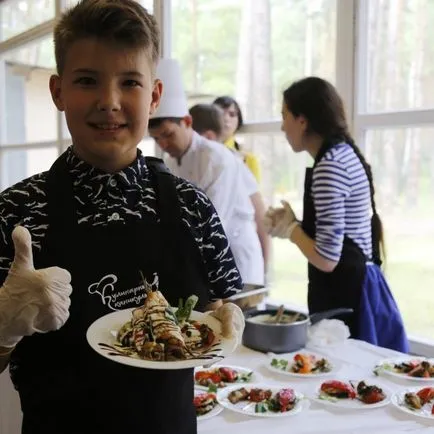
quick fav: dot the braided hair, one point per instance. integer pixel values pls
(319, 102)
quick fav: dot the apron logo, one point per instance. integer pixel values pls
(117, 299)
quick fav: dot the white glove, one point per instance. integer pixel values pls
(31, 300)
(232, 319)
(280, 222)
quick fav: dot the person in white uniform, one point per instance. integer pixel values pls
(208, 121)
(212, 168)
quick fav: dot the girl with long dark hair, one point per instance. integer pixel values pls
(341, 233)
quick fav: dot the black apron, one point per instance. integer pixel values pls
(65, 387)
(343, 286)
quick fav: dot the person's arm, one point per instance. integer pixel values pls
(330, 188)
(307, 247)
(223, 275)
(264, 238)
(219, 179)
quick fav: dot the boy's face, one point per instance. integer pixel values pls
(173, 138)
(107, 94)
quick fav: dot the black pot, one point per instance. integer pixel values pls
(280, 337)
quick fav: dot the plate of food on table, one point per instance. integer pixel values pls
(218, 376)
(304, 364)
(262, 400)
(206, 405)
(352, 394)
(417, 401)
(410, 368)
(159, 336)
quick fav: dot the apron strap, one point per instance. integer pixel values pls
(60, 194)
(167, 194)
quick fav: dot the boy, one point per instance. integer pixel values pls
(103, 213)
(208, 121)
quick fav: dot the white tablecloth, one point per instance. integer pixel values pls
(358, 359)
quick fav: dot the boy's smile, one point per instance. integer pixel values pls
(107, 93)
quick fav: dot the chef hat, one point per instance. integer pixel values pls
(173, 103)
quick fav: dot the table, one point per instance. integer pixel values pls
(358, 359)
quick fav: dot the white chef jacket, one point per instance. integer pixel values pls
(226, 180)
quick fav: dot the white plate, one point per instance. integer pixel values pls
(398, 402)
(382, 368)
(255, 377)
(290, 358)
(248, 408)
(214, 412)
(354, 404)
(101, 336)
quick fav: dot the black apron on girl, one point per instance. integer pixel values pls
(356, 282)
(65, 387)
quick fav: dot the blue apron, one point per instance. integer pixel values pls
(357, 282)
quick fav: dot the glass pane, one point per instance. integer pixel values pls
(30, 114)
(147, 146)
(20, 164)
(17, 16)
(400, 55)
(282, 177)
(252, 50)
(403, 165)
(148, 4)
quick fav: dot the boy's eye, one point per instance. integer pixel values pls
(131, 83)
(85, 81)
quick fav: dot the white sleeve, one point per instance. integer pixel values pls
(219, 182)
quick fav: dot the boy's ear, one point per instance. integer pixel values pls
(56, 94)
(156, 96)
(187, 120)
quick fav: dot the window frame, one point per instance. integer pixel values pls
(350, 57)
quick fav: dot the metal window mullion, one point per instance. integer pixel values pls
(407, 118)
(34, 145)
(163, 15)
(345, 54)
(361, 80)
(270, 127)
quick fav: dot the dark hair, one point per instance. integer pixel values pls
(318, 101)
(156, 122)
(207, 117)
(225, 102)
(120, 22)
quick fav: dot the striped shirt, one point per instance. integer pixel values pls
(342, 200)
(103, 199)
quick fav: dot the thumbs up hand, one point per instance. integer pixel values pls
(31, 300)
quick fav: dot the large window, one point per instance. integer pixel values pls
(395, 126)
(17, 16)
(403, 166)
(399, 43)
(252, 49)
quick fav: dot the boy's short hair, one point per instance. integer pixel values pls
(207, 117)
(119, 22)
